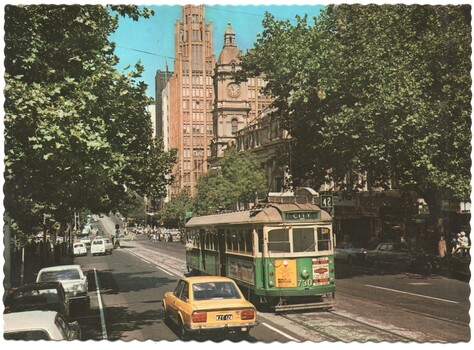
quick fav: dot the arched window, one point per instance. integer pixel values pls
(235, 125)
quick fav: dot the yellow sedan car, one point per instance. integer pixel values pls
(205, 304)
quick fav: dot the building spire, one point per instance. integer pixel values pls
(229, 36)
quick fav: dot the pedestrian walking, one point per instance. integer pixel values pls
(464, 241)
(442, 248)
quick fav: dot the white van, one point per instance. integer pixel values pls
(79, 249)
(101, 246)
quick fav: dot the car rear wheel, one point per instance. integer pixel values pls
(166, 316)
(183, 333)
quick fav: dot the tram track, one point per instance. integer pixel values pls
(411, 311)
(340, 326)
(335, 327)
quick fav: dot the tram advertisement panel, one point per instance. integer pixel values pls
(320, 271)
(285, 273)
(241, 270)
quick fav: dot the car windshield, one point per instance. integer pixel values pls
(215, 290)
(60, 275)
(97, 242)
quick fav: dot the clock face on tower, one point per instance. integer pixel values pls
(233, 90)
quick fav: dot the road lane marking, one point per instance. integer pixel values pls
(280, 332)
(145, 261)
(101, 307)
(418, 295)
(162, 269)
(152, 263)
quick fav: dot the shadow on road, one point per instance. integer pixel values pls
(129, 282)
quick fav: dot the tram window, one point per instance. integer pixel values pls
(303, 239)
(235, 242)
(216, 241)
(324, 239)
(279, 241)
(196, 239)
(241, 237)
(248, 241)
(229, 239)
(260, 240)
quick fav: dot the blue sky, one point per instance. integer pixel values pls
(152, 40)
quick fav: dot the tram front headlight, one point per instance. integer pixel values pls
(304, 274)
(270, 283)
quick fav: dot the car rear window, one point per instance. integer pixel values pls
(37, 296)
(98, 242)
(60, 275)
(215, 290)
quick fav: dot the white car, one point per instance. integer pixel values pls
(72, 278)
(79, 249)
(101, 246)
(347, 252)
(86, 240)
(39, 325)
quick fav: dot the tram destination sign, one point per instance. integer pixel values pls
(301, 215)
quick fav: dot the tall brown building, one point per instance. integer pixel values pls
(191, 98)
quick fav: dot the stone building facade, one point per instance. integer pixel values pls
(236, 105)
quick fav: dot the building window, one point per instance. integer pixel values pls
(235, 125)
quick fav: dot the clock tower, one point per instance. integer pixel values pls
(231, 106)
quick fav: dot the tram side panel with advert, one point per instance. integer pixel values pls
(280, 255)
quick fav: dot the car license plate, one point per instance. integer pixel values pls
(227, 317)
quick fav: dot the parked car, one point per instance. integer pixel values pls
(347, 253)
(79, 249)
(86, 240)
(38, 296)
(73, 280)
(101, 246)
(39, 325)
(391, 255)
(206, 304)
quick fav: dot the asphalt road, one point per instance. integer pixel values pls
(406, 306)
(131, 290)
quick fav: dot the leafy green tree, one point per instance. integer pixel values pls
(213, 193)
(173, 213)
(77, 133)
(239, 179)
(382, 90)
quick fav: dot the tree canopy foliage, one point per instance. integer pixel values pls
(77, 132)
(237, 181)
(382, 90)
(173, 213)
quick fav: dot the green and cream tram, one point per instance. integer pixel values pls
(280, 255)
